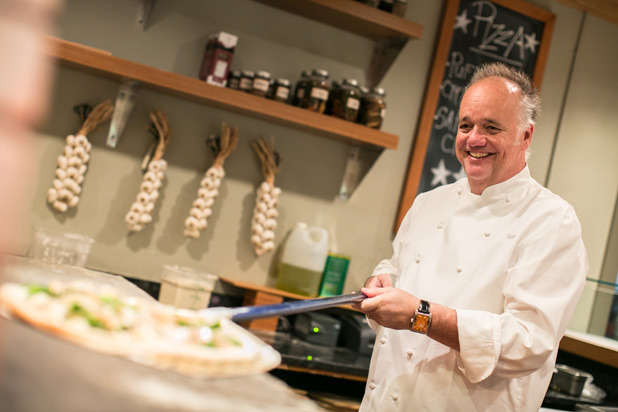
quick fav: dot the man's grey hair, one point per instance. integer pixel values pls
(530, 99)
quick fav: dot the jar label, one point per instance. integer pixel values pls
(353, 103)
(382, 113)
(300, 93)
(283, 92)
(320, 94)
(245, 83)
(260, 84)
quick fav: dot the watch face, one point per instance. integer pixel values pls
(421, 323)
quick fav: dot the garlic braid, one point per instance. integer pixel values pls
(264, 220)
(209, 186)
(265, 213)
(72, 163)
(206, 194)
(142, 209)
(70, 171)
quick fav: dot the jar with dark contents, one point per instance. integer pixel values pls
(233, 80)
(371, 3)
(400, 7)
(246, 81)
(281, 90)
(299, 89)
(386, 5)
(334, 92)
(316, 92)
(346, 101)
(373, 108)
(261, 81)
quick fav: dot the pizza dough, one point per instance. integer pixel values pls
(195, 343)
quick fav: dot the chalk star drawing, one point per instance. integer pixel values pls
(440, 173)
(531, 42)
(460, 175)
(462, 21)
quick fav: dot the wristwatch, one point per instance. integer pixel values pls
(422, 318)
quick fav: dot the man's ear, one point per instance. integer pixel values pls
(528, 135)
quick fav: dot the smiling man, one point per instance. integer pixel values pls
(485, 272)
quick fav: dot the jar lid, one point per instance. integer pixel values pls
(364, 89)
(305, 73)
(235, 73)
(351, 82)
(283, 82)
(380, 91)
(248, 73)
(263, 74)
(320, 72)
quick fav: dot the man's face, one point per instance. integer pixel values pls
(490, 145)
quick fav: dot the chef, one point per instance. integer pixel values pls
(485, 272)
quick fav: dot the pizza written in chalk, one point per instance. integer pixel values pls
(196, 343)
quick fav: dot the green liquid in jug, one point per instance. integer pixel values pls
(298, 280)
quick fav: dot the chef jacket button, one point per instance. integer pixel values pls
(410, 354)
(487, 234)
(459, 191)
(395, 396)
(383, 341)
(372, 385)
(417, 259)
(459, 269)
(440, 225)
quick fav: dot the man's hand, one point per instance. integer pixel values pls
(390, 307)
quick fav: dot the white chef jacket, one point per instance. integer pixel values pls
(512, 263)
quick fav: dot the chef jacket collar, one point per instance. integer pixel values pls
(509, 190)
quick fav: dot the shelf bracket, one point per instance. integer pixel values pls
(143, 12)
(125, 100)
(359, 162)
(384, 54)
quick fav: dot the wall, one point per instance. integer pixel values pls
(312, 167)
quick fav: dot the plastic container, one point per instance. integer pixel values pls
(185, 287)
(58, 247)
(302, 261)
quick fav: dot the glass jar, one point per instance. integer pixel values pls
(372, 3)
(400, 7)
(299, 89)
(281, 90)
(346, 100)
(233, 80)
(386, 5)
(373, 108)
(261, 82)
(246, 81)
(316, 91)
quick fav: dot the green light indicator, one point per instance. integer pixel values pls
(316, 329)
(309, 357)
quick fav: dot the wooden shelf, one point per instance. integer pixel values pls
(90, 60)
(352, 16)
(390, 32)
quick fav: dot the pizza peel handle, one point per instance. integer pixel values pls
(248, 313)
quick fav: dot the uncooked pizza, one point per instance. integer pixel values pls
(197, 343)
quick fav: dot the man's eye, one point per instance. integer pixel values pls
(464, 126)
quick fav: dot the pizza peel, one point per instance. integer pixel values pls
(247, 313)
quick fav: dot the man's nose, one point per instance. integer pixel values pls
(476, 138)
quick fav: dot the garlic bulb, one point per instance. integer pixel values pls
(141, 210)
(264, 221)
(70, 171)
(206, 195)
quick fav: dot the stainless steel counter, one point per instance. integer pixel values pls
(39, 372)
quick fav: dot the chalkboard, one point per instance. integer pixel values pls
(473, 32)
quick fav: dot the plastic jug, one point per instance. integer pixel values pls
(303, 259)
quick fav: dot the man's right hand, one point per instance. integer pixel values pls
(383, 280)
